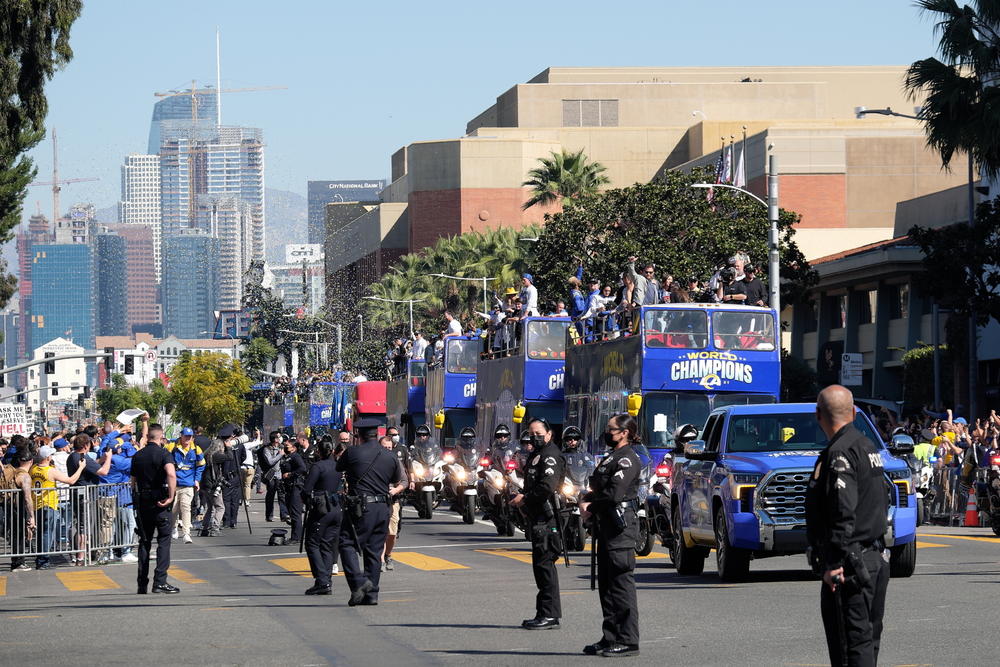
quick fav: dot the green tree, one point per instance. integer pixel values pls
(668, 223)
(959, 96)
(208, 390)
(366, 357)
(565, 175)
(258, 356)
(120, 396)
(34, 43)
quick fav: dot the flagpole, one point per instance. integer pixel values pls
(743, 154)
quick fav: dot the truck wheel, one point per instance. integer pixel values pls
(733, 563)
(903, 560)
(644, 542)
(921, 512)
(687, 560)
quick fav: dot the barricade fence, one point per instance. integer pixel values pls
(88, 524)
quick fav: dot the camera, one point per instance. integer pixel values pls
(727, 275)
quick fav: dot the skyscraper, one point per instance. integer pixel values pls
(112, 295)
(190, 283)
(38, 232)
(321, 193)
(62, 298)
(140, 202)
(142, 292)
(199, 106)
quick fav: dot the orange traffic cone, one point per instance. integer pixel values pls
(971, 512)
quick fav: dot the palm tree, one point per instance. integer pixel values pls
(563, 175)
(961, 112)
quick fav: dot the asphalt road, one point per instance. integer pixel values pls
(458, 595)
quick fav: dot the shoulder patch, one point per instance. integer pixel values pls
(535, 460)
(550, 461)
(840, 463)
(625, 462)
(620, 474)
(841, 484)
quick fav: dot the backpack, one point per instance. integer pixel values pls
(9, 478)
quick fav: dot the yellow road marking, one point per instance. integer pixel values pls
(926, 545)
(993, 540)
(299, 566)
(184, 576)
(3, 586)
(422, 562)
(517, 554)
(87, 580)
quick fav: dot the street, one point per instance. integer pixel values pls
(458, 594)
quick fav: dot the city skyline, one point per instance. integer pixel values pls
(331, 138)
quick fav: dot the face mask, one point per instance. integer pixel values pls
(609, 440)
(538, 441)
(395, 439)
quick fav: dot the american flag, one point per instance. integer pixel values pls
(719, 165)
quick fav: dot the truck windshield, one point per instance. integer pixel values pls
(547, 340)
(743, 331)
(682, 329)
(782, 432)
(463, 356)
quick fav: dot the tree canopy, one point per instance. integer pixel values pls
(120, 396)
(208, 390)
(34, 43)
(564, 175)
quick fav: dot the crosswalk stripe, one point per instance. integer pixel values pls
(87, 580)
(184, 576)
(3, 586)
(994, 540)
(422, 562)
(926, 545)
(522, 555)
(299, 566)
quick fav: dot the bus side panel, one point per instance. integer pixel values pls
(599, 377)
(499, 386)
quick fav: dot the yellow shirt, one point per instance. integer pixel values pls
(40, 480)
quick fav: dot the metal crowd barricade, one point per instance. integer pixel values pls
(87, 524)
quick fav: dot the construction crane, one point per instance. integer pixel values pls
(56, 183)
(193, 92)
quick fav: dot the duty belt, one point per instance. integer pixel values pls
(381, 498)
(629, 504)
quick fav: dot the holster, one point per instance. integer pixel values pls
(856, 564)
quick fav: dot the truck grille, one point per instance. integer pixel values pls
(783, 498)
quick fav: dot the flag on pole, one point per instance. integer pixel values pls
(718, 175)
(740, 176)
(727, 165)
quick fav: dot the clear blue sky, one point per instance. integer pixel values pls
(364, 78)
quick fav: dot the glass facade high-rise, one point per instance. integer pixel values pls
(190, 283)
(62, 293)
(140, 202)
(321, 193)
(199, 106)
(112, 276)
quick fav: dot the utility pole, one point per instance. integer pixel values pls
(773, 273)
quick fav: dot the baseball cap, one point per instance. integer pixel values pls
(46, 451)
(187, 431)
(528, 277)
(961, 420)
(59, 443)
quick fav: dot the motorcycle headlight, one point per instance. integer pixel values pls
(498, 482)
(449, 458)
(459, 473)
(568, 490)
(418, 469)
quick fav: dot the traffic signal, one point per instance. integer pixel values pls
(129, 364)
(109, 360)
(50, 366)
(86, 391)
(3, 376)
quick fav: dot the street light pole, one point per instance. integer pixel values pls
(486, 306)
(409, 301)
(773, 273)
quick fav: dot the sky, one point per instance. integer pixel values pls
(364, 79)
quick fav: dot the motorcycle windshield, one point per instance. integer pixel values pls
(645, 459)
(427, 453)
(468, 457)
(579, 469)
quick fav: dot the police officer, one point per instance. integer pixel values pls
(543, 476)
(154, 481)
(369, 470)
(323, 527)
(293, 474)
(613, 503)
(402, 454)
(577, 457)
(846, 505)
(499, 446)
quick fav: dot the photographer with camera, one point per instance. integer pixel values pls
(268, 458)
(293, 475)
(221, 478)
(370, 472)
(730, 289)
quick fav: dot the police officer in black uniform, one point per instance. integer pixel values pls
(319, 493)
(369, 471)
(543, 476)
(293, 475)
(846, 505)
(613, 503)
(154, 482)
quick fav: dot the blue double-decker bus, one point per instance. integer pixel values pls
(526, 370)
(404, 399)
(450, 402)
(329, 406)
(684, 360)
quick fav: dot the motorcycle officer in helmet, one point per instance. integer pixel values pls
(500, 446)
(575, 455)
(684, 434)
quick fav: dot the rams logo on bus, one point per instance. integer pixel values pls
(712, 370)
(614, 364)
(507, 379)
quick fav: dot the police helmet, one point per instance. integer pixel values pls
(423, 430)
(467, 432)
(501, 431)
(525, 438)
(571, 433)
(684, 434)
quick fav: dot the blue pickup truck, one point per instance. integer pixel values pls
(741, 490)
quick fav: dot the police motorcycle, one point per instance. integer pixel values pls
(460, 466)
(579, 467)
(492, 480)
(657, 505)
(647, 535)
(988, 491)
(514, 463)
(922, 474)
(426, 470)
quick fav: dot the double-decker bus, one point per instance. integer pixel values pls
(528, 374)
(450, 402)
(405, 403)
(684, 360)
(329, 405)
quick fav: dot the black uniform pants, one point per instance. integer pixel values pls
(545, 550)
(272, 491)
(364, 538)
(293, 503)
(150, 519)
(321, 544)
(858, 611)
(616, 585)
(231, 497)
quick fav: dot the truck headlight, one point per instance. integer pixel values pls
(741, 487)
(903, 478)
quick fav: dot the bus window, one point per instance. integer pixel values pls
(743, 331)
(463, 356)
(321, 394)
(547, 340)
(722, 400)
(682, 329)
(665, 411)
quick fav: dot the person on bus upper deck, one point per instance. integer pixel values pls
(454, 326)
(529, 296)
(647, 288)
(756, 294)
